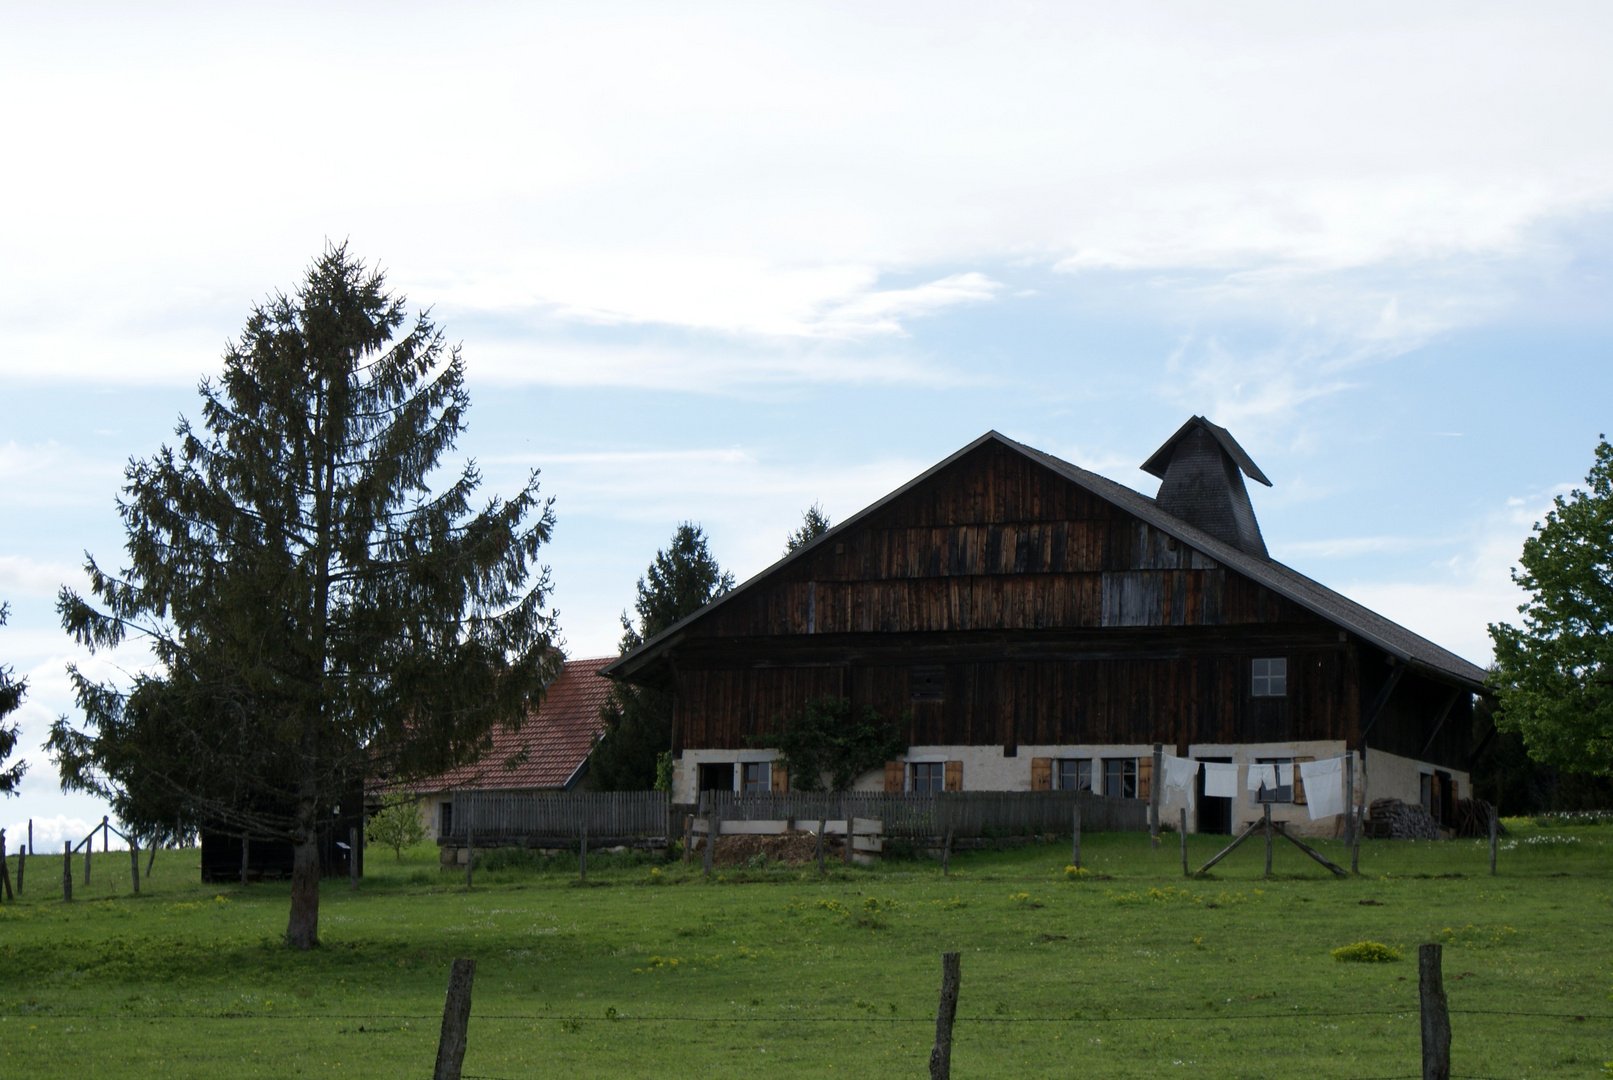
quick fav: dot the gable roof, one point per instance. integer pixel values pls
(553, 744)
(1340, 610)
(1161, 458)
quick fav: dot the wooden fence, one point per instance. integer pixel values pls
(962, 813)
(491, 819)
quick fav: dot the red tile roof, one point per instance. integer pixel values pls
(551, 745)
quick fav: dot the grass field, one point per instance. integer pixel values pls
(650, 971)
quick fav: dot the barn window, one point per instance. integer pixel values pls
(1074, 774)
(1120, 777)
(1270, 677)
(927, 776)
(1283, 793)
(927, 682)
(758, 775)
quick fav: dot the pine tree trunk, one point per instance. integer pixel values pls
(302, 931)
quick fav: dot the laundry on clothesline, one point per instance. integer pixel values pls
(1324, 786)
(1220, 780)
(1262, 776)
(1179, 772)
(1285, 774)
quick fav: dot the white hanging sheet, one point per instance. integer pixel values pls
(1220, 780)
(1179, 772)
(1324, 786)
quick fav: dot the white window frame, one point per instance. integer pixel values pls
(764, 770)
(930, 768)
(1058, 773)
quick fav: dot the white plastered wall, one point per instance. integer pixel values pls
(1390, 776)
(686, 769)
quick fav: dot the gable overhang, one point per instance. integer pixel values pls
(1396, 641)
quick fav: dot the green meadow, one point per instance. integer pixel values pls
(651, 970)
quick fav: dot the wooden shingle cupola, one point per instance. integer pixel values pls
(1201, 470)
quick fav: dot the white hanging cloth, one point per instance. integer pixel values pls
(1220, 780)
(1324, 786)
(1285, 774)
(1179, 772)
(1262, 776)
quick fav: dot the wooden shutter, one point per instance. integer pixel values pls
(781, 777)
(954, 778)
(894, 771)
(1145, 777)
(1299, 782)
(1041, 774)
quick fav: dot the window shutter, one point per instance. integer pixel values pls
(1145, 777)
(894, 771)
(954, 778)
(781, 777)
(1041, 774)
(1299, 782)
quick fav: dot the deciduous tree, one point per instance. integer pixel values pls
(824, 744)
(1554, 674)
(317, 613)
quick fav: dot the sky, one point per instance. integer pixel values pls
(716, 263)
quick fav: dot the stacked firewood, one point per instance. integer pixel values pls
(1401, 821)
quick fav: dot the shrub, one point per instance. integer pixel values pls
(1366, 952)
(1076, 873)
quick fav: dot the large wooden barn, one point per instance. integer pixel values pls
(1040, 626)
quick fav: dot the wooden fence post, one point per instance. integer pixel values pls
(846, 854)
(1185, 871)
(1349, 797)
(22, 860)
(352, 857)
(89, 849)
(67, 871)
(1268, 839)
(5, 869)
(822, 824)
(941, 1054)
(1156, 788)
(688, 838)
(582, 854)
(1075, 844)
(713, 830)
(134, 862)
(470, 856)
(455, 1021)
(946, 855)
(1435, 1015)
(1494, 813)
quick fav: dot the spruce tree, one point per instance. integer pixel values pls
(814, 523)
(12, 690)
(317, 613)
(682, 579)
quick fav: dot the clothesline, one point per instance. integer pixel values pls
(1323, 780)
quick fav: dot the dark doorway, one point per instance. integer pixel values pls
(717, 776)
(1214, 815)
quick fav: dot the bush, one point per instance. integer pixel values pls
(397, 826)
(1366, 952)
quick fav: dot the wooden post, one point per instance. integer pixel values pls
(134, 863)
(688, 837)
(455, 1021)
(946, 855)
(582, 855)
(1349, 797)
(1494, 814)
(713, 828)
(89, 849)
(1075, 844)
(1185, 872)
(67, 871)
(470, 857)
(941, 1054)
(822, 824)
(246, 856)
(5, 869)
(352, 857)
(1268, 839)
(1436, 1016)
(106, 835)
(846, 854)
(22, 861)
(1155, 791)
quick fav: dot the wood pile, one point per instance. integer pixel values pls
(1401, 821)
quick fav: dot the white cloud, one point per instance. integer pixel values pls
(19, 575)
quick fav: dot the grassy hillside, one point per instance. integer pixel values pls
(651, 971)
